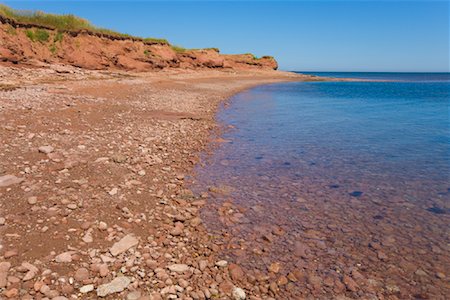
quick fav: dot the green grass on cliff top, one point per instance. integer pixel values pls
(63, 23)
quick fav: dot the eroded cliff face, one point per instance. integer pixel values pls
(28, 44)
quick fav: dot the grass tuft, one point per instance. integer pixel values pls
(179, 49)
(38, 35)
(41, 35)
(53, 49)
(30, 34)
(11, 30)
(58, 37)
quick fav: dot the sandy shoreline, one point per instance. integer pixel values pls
(92, 184)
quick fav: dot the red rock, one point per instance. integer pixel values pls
(236, 272)
(11, 293)
(10, 253)
(4, 268)
(81, 274)
(350, 283)
(226, 287)
(274, 267)
(282, 281)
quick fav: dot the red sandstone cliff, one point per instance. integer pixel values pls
(31, 44)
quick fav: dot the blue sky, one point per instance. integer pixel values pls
(302, 35)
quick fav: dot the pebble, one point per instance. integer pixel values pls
(81, 274)
(238, 294)
(117, 285)
(46, 149)
(102, 226)
(86, 288)
(65, 257)
(178, 268)
(7, 180)
(12, 293)
(134, 295)
(124, 244)
(274, 268)
(32, 200)
(4, 268)
(222, 263)
(72, 206)
(113, 191)
(236, 272)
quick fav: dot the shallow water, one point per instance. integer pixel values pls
(330, 177)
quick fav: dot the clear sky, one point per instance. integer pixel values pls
(303, 35)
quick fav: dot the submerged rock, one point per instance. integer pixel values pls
(436, 210)
(356, 194)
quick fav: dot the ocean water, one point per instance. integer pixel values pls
(325, 177)
(390, 76)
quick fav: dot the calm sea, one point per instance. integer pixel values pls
(355, 172)
(416, 77)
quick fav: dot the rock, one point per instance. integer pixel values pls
(12, 293)
(274, 268)
(8, 180)
(46, 149)
(420, 272)
(10, 253)
(350, 283)
(29, 275)
(178, 229)
(236, 272)
(134, 295)
(102, 226)
(116, 286)
(2, 221)
(87, 238)
(202, 265)
(65, 257)
(4, 268)
(86, 288)
(178, 268)
(300, 249)
(222, 263)
(72, 206)
(103, 270)
(32, 200)
(238, 293)
(195, 222)
(113, 191)
(81, 274)
(124, 244)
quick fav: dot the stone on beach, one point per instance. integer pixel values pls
(86, 288)
(238, 294)
(178, 268)
(4, 268)
(117, 285)
(46, 149)
(65, 257)
(7, 180)
(124, 244)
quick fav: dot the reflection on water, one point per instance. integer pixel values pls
(336, 181)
